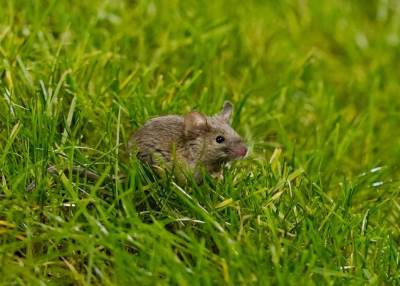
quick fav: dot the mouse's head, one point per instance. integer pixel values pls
(214, 137)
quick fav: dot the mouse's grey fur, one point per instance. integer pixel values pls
(190, 141)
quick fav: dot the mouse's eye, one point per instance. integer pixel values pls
(220, 139)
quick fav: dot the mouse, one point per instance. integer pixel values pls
(184, 145)
(189, 144)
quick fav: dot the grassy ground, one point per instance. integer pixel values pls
(316, 88)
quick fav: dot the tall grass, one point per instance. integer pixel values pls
(315, 86)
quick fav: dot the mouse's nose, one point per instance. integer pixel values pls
(243, 151)
(240, 151)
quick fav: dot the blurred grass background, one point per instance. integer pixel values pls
(315, 85)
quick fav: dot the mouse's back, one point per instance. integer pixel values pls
(157, 136)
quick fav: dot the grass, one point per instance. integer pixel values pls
(315, 85)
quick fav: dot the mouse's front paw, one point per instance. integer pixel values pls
(218, 175)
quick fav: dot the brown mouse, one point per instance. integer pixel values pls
(189, 142)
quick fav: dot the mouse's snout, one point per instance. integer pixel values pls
(240, 151)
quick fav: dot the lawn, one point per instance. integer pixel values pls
(315, 86)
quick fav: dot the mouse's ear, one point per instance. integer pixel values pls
(195, 123)
(226, 113)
